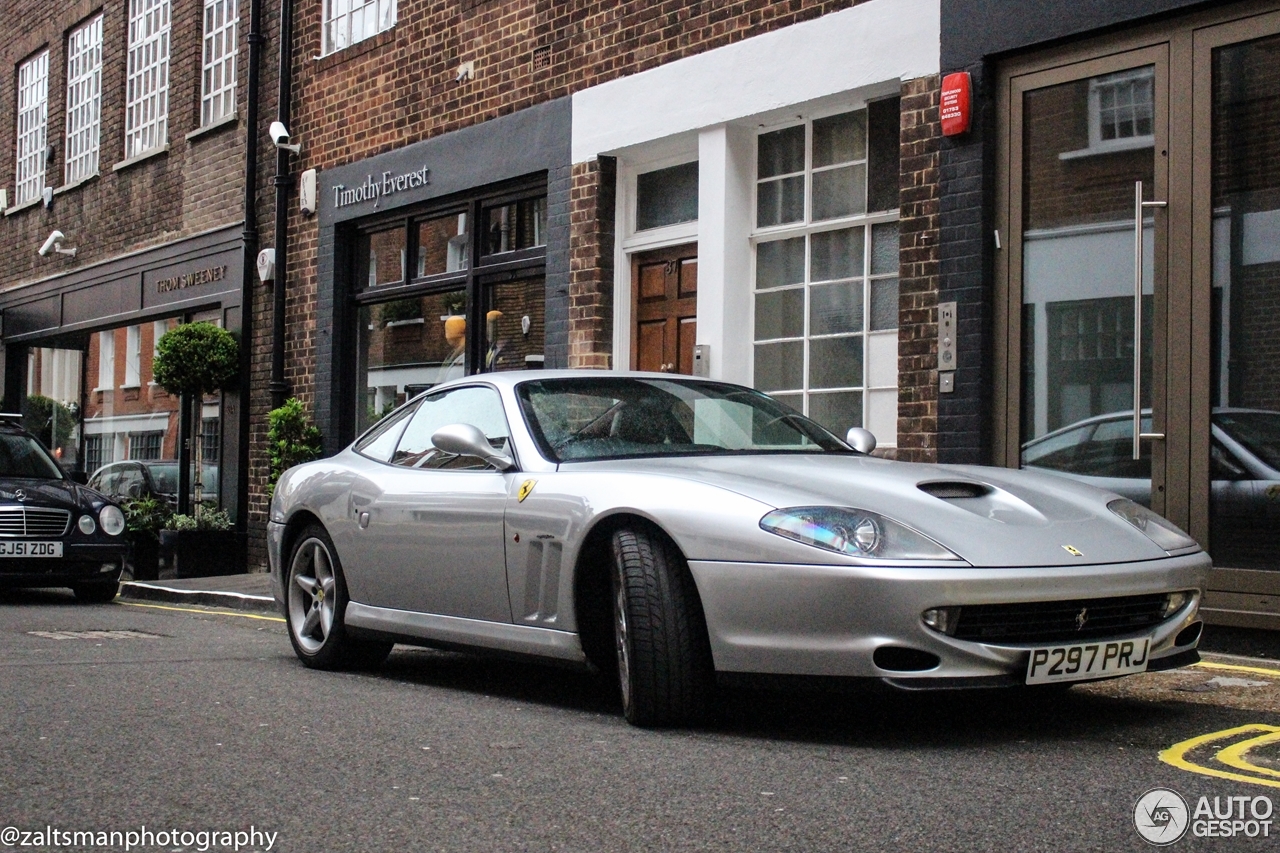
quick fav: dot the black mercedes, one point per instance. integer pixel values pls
(54, 531)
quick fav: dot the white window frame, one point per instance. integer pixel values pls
(348, 22)
(1098, 145)
(32, 127)
(133, 357)
(84, 101)
(106, 360)
(879, 386)
(147, 86)
(218, 68)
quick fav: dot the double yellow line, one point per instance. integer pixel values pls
(1235, 755)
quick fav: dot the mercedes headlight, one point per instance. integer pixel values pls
(1157, 529)
(112, 520)
(854, 533)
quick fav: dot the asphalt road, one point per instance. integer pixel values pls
(209, 723)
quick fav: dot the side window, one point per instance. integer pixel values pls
(381, 441)
(479, 406)
(131, 484)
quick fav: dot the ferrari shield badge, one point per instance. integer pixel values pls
(525, 488)
(1072, 550)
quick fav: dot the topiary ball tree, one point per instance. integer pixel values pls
(193, 360)
(196, 359)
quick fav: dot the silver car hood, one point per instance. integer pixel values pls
(1022, 518)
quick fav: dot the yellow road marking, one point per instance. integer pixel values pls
(195, 610)
(1176, 755)
(1231, 667)
(1234, 755)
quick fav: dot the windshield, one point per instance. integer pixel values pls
(583, 419)
(1257, 431)
(22, 456)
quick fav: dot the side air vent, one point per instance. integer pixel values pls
(956, 489)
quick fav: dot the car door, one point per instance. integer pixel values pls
(430, 532)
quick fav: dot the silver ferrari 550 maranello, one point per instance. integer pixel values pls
(679, 531)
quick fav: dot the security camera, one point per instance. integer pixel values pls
(280, 137)
(54, 239)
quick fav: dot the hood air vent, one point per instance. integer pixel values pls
(954, 489)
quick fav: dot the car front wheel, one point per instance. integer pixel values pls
(317, 603)
(665, 669)
(97, 592)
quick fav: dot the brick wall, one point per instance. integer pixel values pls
(591, 263)
(920, 199)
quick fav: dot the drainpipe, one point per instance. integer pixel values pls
(278, 387)
(249, 275)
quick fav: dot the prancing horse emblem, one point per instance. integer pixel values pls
(1072, 550)
(1081, 618)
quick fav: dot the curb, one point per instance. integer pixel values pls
(140, 591)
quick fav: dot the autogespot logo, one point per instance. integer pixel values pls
(1161, 816)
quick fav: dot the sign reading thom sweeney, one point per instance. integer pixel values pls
(373, 189)
(191, 279)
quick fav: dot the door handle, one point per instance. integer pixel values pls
(1138, 207)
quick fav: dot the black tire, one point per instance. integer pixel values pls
(97, 592)
(665, 671)
(315, 584)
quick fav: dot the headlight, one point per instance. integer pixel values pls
(112, 520)
(1157, 529)
(854, 533)
(86, 525)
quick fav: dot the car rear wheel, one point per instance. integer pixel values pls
(97, 592)
(316, 594)
(664, 658)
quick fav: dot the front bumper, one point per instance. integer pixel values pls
(275, 560)
(78, 563)
(828, 621)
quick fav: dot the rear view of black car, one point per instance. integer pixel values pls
(54, 531)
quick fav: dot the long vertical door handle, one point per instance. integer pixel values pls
(1138, 207)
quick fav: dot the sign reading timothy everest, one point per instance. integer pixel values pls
(191, 279)
(375, 189)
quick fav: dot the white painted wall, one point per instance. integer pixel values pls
(850, 49)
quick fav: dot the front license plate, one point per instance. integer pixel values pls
(1087, 660)
(30, 549)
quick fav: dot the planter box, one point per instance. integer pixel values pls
(202, 553)
(144, 560)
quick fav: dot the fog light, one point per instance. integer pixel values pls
(942, 619)
(1175, 602)
(86, 525)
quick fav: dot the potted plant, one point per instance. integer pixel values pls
(199, 546)
(144, 519)
(291, 439)
(193, 360)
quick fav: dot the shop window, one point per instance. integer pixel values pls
(347, 22)
(210, 440)
(218, 77)
(517, 225)
(84, 100)
(147, 89)
(33, 114)
(146, 445)
(442, 245)
(667, 196)
(514, 333)
(826, 271)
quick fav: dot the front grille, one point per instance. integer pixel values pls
(1059, 621)
(33, 521)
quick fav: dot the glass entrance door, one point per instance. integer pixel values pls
(1087, 247)
(1239, 65)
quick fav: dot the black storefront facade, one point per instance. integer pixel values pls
(1110, 232)
(83, 341)
(444, 258)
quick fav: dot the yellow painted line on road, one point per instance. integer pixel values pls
(1176, 755)
(1231, 667)
(196, 610)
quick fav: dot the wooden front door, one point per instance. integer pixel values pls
(664, 309)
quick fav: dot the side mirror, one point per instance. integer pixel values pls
(860, 439)
(467, 440)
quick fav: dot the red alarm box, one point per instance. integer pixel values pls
(957, 103)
